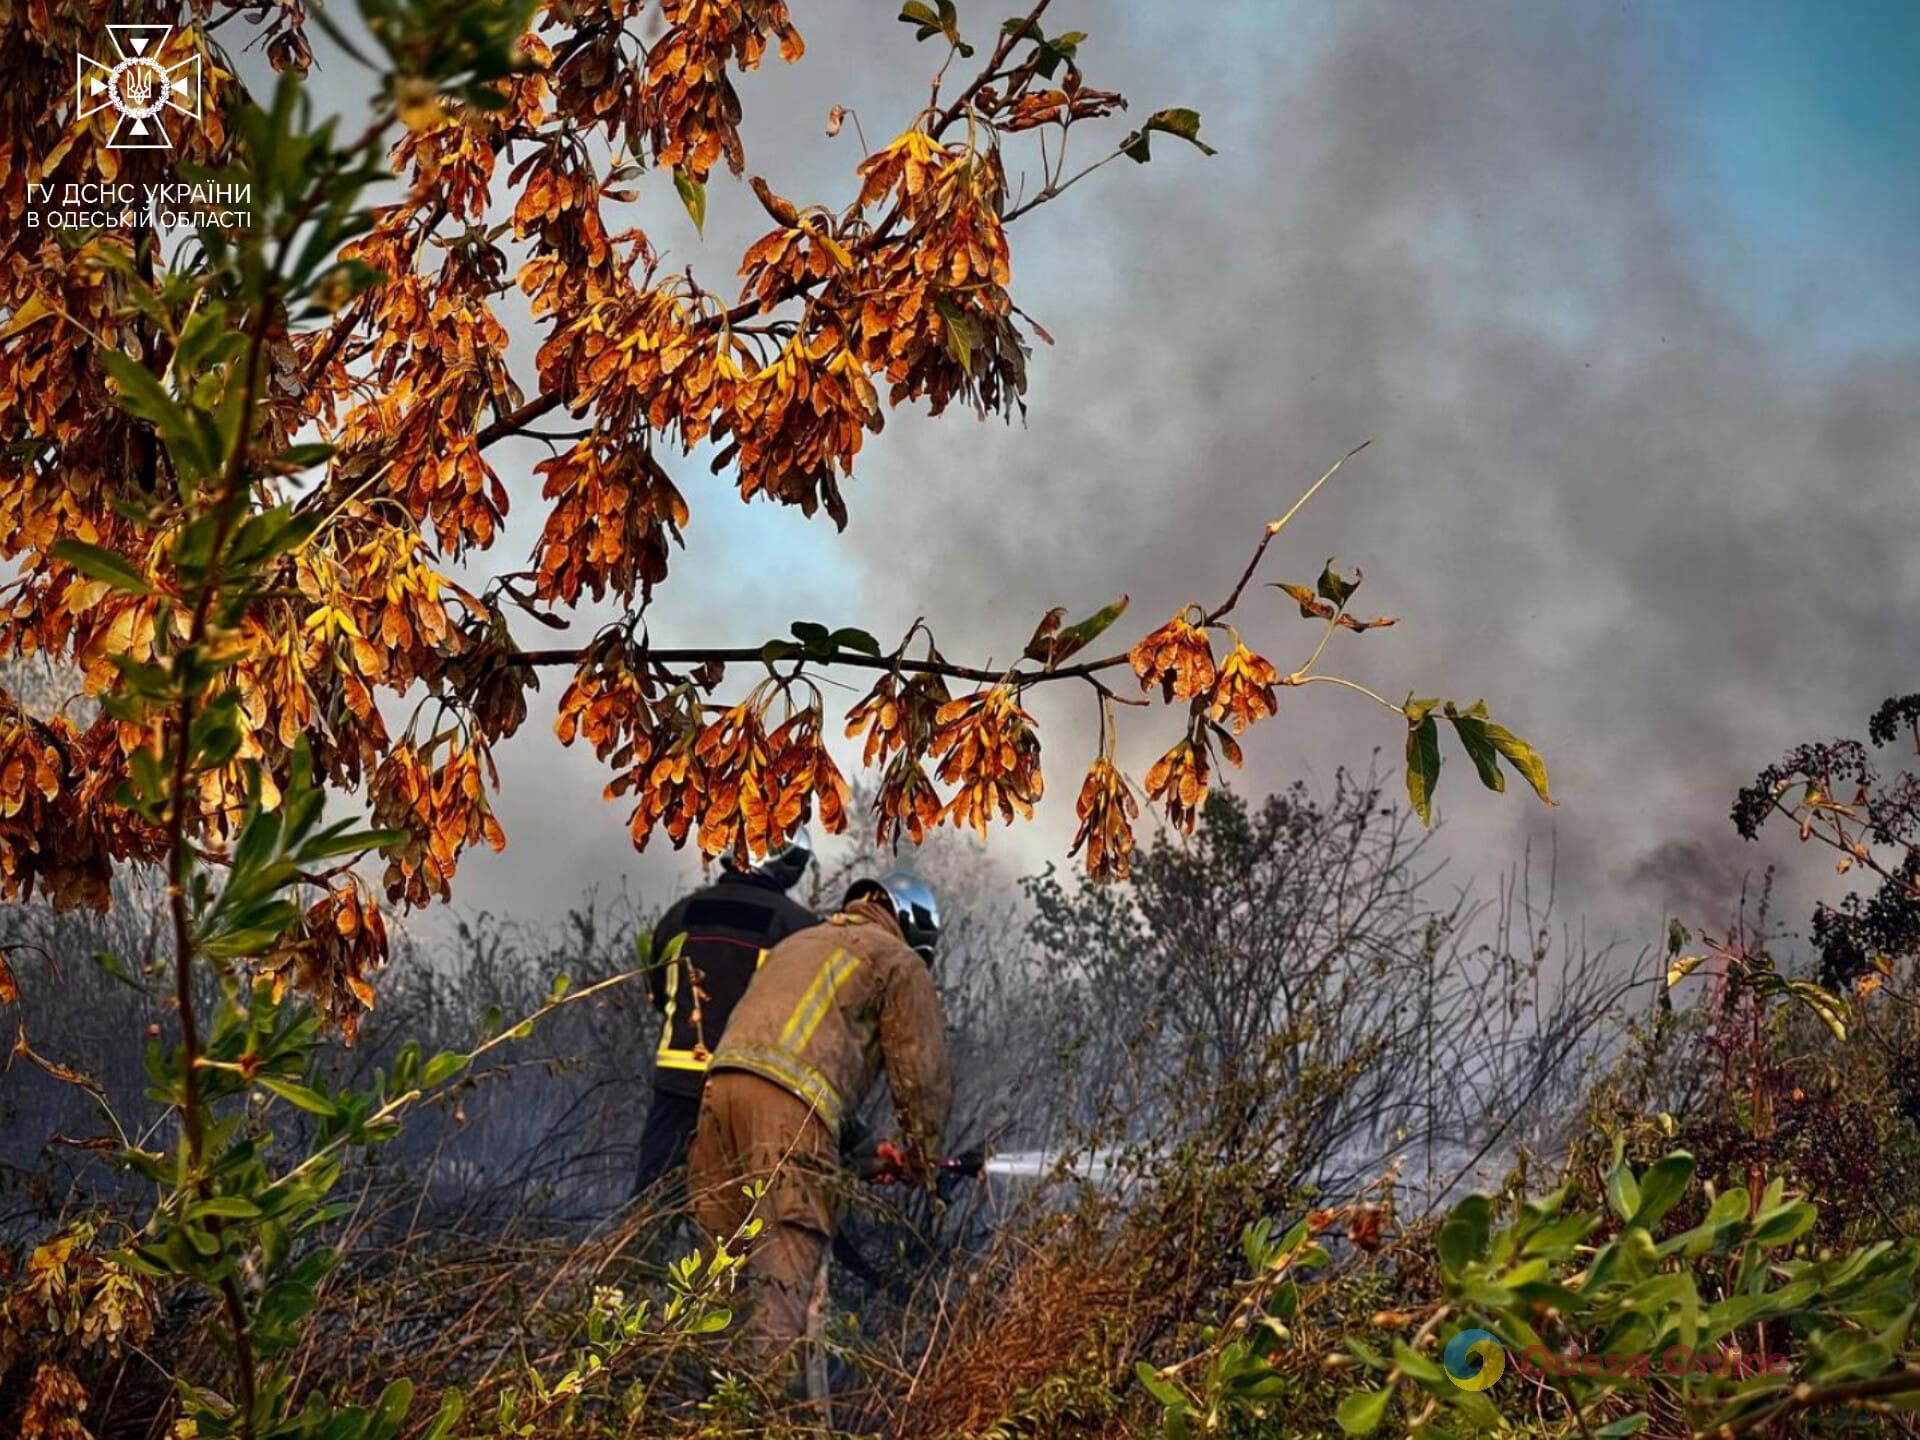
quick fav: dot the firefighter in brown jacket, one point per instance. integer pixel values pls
(830, 1007)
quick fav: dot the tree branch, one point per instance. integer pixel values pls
(749, 654)
(515, 421)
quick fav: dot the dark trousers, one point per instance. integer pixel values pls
(664, 1137)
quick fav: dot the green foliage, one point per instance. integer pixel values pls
(1054, 645)
(1659, 1306)
(232, 1217)
(1621, 1328)
(816, 642)
(1486, 744)
(1181, 122)
(542, 1403)
(940, 18)
(1234, 1375)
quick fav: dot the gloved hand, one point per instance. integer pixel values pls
(897, 1165)
(957, 1170)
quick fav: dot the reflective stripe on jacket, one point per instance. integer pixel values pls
(834, 1005)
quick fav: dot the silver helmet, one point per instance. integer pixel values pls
(913, 906)
(783, 867)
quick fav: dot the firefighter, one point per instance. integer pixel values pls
(729, 927)
(828, 1010)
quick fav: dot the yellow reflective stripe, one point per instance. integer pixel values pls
(810, 1000)
(671, 1059)
(812, 1009)
(790, 1073)
(848, 964)
(664, 1052)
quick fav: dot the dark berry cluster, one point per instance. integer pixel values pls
(1836, 765)
(1837, 796)
(1902, 712)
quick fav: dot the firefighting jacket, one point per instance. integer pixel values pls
(833, 1006)
(729, 927)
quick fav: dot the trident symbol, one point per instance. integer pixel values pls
(138, 87)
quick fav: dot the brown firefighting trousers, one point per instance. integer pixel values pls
(751, 1129)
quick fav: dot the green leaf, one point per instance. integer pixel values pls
(1661, 1188)
(711, 1321)
(441, 1068)
(1361, 1412)
(1423, 763)
(1055, 646)
(1785, 1225)
(959, 332)
(856, 640)
(113, 965)
(391, 1409)
(1558, 1237)
(200, 1241)
(1619, 1429)
(294, 1093)
(347, 842)
(300, 457)
(1075, 638)
(1413, 1363)
(143, 395)
(1336, 587)
(1830, 1008)
(101, 564)
(817, 638)
(1181, 122)
(1523, 757)
(225, 1207)
(1463, 1238)
(693, 195)
(1623, 1191)
(452, 1405)
(1165, 1391)
(1471, 726)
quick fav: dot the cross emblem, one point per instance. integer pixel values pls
(139, 86)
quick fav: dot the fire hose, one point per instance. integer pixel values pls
(890, 1165)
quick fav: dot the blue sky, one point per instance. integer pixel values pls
(1802, 122)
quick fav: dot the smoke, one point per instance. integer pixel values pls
(1662, 539)
(1658, 526)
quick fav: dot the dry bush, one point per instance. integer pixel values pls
(1268, 1050)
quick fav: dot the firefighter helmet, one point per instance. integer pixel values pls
(912, 903)
(784, 866)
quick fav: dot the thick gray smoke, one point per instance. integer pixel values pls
(1662, 535)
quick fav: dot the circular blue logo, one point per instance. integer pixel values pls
(1474, 1359)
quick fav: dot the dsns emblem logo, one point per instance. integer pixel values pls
(1474, 1359)
(140, 85)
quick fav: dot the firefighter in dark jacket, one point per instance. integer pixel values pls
(728, 927)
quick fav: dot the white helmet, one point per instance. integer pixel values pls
(913, 905)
